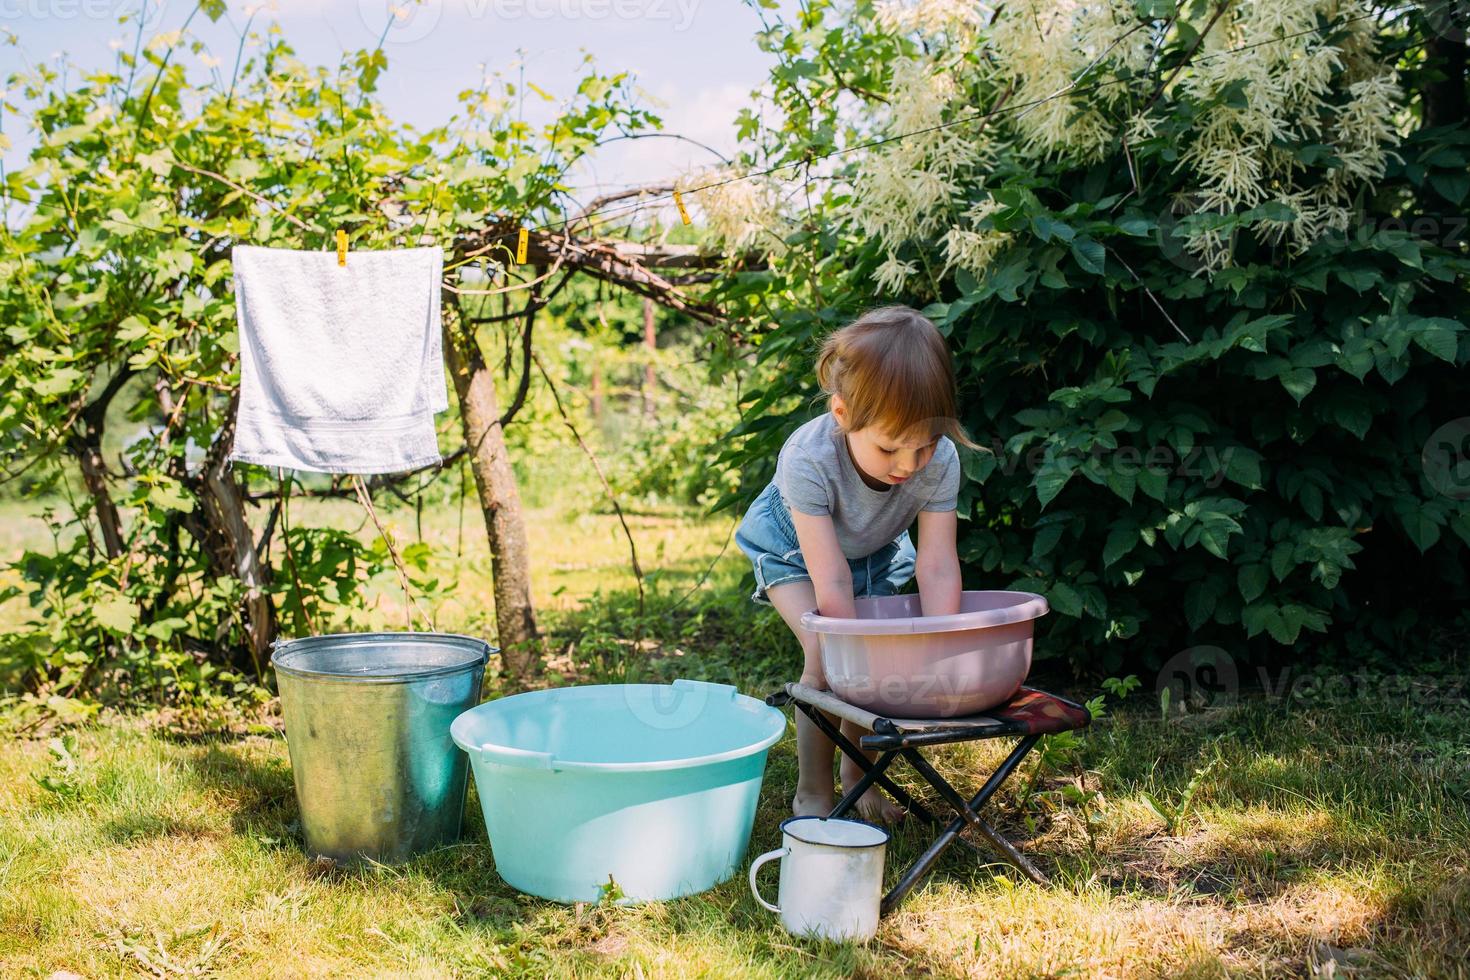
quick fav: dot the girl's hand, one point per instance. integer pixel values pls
(831, 575)
(937, 563)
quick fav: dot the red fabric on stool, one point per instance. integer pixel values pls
(1038, 713)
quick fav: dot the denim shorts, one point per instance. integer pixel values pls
(768, 538)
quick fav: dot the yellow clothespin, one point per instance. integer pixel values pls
(522, 237)
(341, 247)
(679, 200)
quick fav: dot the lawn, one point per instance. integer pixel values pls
(1321, 837)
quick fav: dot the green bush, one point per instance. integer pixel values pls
(1235, 448)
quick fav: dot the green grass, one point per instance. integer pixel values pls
(1324, 838)
(1320, 836)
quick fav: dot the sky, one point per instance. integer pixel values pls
(695, 60)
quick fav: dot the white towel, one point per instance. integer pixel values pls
(341, 368)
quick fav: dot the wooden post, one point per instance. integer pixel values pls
(650, 344)
(596, 394)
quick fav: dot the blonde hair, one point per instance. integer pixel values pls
(891, 368)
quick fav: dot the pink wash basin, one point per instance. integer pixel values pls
(893, 661)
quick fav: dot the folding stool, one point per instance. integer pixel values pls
(1030, 714)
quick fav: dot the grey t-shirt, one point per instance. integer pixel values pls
(816, 475)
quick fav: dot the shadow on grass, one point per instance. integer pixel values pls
(136, 828)
(263, 804)
(258, 786)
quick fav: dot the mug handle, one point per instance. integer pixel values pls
(779, 852)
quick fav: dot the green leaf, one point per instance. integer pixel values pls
(132, 328)
(117, 614)
(1356, 357)
(1438, 336)
(1283, 560)
(1353, 415)
(1122, 481)
(170, 495)
(1215, 531)
(1046, 539)
(977, 465)
(1121, 540)
(60, 380)
(1200, 600)
(1298, 382)
(1065, 599)
(1452, 186)
(1420, 527)
(1154, 481)
(1154, 9)
(1310, 497)
(1251, 580)
(1089, 254)
(1136, 225)
(1256, 616)
(1392, 367)
(1050, 479)
(1047, 228)
(1243, 466)
(1358, 280)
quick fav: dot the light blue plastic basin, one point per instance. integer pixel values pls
(654, 785)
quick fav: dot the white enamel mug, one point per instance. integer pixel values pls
(831, 877)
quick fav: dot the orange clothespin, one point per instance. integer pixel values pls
(679, 201)
(522, 237)
(341, 247)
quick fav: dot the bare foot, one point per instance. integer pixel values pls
(874, 807)
(811, 804)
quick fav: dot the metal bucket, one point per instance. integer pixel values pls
(367, 725)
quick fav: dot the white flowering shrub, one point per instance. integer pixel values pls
(1202, 272)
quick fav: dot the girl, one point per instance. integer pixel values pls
(833, 523)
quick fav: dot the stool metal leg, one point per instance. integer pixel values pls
(900, 794)
(875, 771)
(855, 754)
(967, 812)
(953, 829)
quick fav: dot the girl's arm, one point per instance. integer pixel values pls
(937, 565)
(831, 575)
